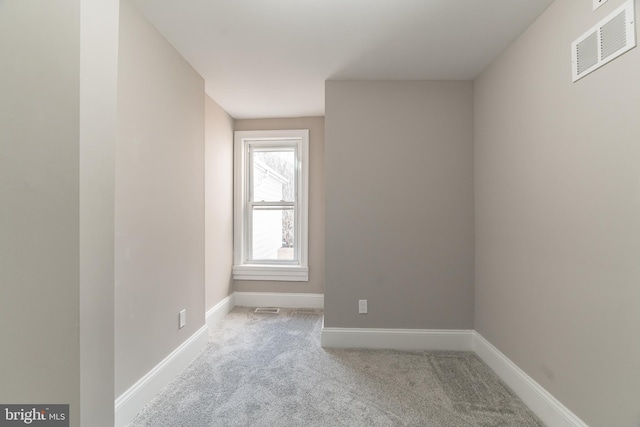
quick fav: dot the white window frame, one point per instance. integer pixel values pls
(279, 270)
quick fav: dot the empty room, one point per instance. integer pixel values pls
(319, 213)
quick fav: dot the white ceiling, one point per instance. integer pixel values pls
(270, 58)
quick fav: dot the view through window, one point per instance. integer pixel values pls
(273, 204)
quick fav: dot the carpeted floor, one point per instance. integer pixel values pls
(269, 370)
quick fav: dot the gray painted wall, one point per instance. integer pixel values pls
(159, 211)
(218, 203)
(399, 188)
(316, 205)
(39, 203)
(558, 216)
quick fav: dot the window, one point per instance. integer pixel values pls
(271, 204)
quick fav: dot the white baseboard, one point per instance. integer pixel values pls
(217, 313)
(147, 388)
(283, 300)
(142, 392)
(397, 339)
(540, 401)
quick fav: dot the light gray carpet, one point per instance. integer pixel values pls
(269, 370)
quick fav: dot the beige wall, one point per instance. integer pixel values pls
(558, 216)
(218, 203)
(399, 187)
(57, 136)
(39, 203)
(98, 134)
(159, 215)
(316, 205)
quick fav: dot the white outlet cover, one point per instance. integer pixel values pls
(182, 319)
(598, 3)
(362, 306)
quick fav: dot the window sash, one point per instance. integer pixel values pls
(281, 146)
(251, 207)
(250, 204)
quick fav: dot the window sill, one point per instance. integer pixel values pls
(280, 273)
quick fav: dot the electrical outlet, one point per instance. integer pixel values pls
(362, 306)
(182, 319)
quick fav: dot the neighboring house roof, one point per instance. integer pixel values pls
(270, 172)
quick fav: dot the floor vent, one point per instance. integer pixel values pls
(610, 38)
(267, 310)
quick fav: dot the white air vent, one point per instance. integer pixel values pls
(267, 310)
(612, 37)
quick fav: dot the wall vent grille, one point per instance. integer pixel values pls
(609, 39)
(587, 53)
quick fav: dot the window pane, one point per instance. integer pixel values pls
(273, 175)
(273, 233)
